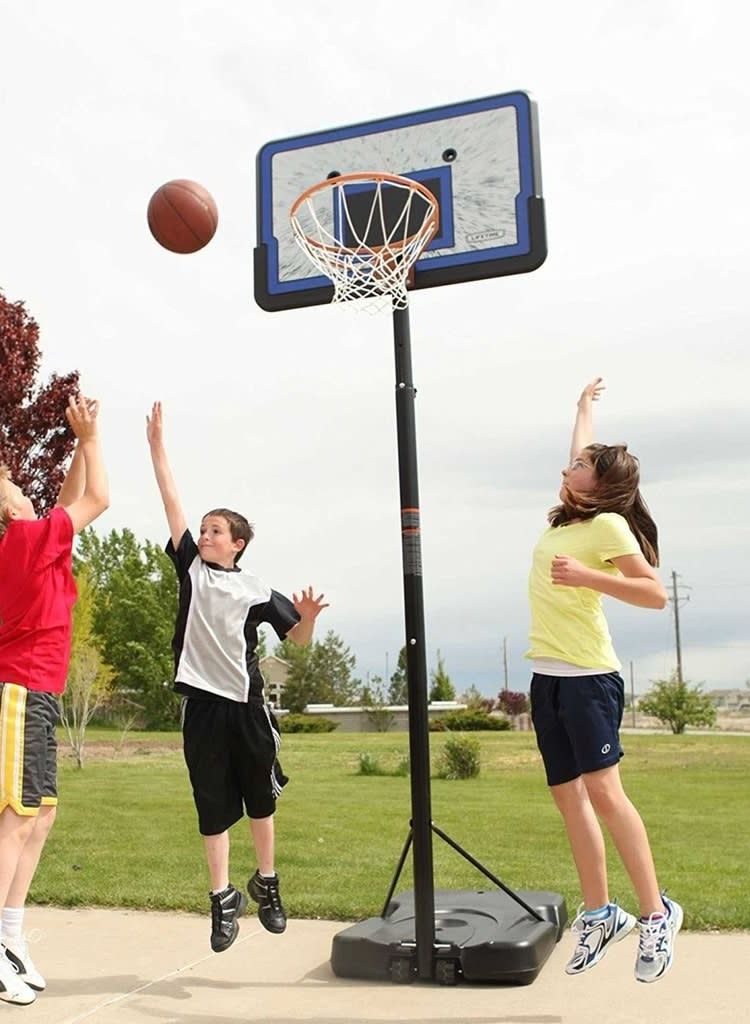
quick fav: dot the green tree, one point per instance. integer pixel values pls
(134, 615)
(398, 689)
(442, 688)
(373, 697)
(473, 699)
(320, 673)
(297, 686)
(262, 649)
(89, 680)
(677, 704)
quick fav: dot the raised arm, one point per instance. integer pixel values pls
(75, 479)
(309, 608)
(164, 479)
(583, 430)
(82, 415)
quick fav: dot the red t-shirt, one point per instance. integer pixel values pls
(37, 592)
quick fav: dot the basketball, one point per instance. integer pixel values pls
(182, 216)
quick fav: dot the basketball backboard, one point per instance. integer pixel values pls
(479, 158)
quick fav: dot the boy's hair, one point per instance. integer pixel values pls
(4, 507)
(616, 490)
(239, 527)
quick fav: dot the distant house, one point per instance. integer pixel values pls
(275, 673)
(737, 699)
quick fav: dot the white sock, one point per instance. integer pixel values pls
(264, 875)
(12, 922)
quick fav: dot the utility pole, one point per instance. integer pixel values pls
(505, 661)
(675, 601)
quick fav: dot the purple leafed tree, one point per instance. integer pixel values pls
(35, 440)
(512, 702)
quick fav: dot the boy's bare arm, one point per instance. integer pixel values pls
(309, 608)
(74, 483)
(583, 430)
(164, 479)
(82, 415)
(75, 480)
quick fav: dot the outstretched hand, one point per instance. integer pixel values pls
(592, 391)
(82, 414)
(307, 606)
(154, 431)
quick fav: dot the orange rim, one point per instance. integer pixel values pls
(363, 176)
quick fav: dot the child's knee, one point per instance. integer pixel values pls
(46, 818)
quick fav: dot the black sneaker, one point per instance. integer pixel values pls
(226, 907)
(265, 892)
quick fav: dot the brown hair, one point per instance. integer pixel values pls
(4, 507)
(239, 527)
(616, 490)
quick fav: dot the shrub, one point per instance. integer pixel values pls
(369, 765)
(677, 704)
(306, 723)
(468, 721)
(459, 758)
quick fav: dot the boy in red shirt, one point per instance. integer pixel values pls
(37, 593)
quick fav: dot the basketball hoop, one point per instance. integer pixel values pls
(365, 232)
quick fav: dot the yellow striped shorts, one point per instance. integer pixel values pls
(28, 749)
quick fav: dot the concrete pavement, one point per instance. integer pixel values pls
(136, 967)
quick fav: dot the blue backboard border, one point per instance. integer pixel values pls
(527, 254)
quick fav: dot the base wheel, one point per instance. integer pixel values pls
(401, 970)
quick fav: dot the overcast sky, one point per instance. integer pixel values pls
(289, 417)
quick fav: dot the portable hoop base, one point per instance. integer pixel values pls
(481, 936)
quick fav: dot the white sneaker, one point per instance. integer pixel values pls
(593, 938)
(656, 943)
(12, 988)
(17, 951)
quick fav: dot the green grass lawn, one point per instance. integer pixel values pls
(126, 833)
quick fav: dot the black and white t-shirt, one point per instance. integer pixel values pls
(216, 632)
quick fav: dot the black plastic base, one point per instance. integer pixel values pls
(479, 936)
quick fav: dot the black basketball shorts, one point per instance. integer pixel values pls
(231, 751)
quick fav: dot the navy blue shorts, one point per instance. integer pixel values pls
(577, 722)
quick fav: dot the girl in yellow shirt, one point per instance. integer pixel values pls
(601, 540)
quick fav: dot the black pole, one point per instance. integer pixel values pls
(416, 658)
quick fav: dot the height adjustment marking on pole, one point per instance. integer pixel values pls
(411, 542)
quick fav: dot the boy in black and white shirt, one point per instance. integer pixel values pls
(231, 740)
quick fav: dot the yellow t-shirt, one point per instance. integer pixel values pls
(568, 623)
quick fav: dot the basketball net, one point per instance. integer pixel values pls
(367, 256)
